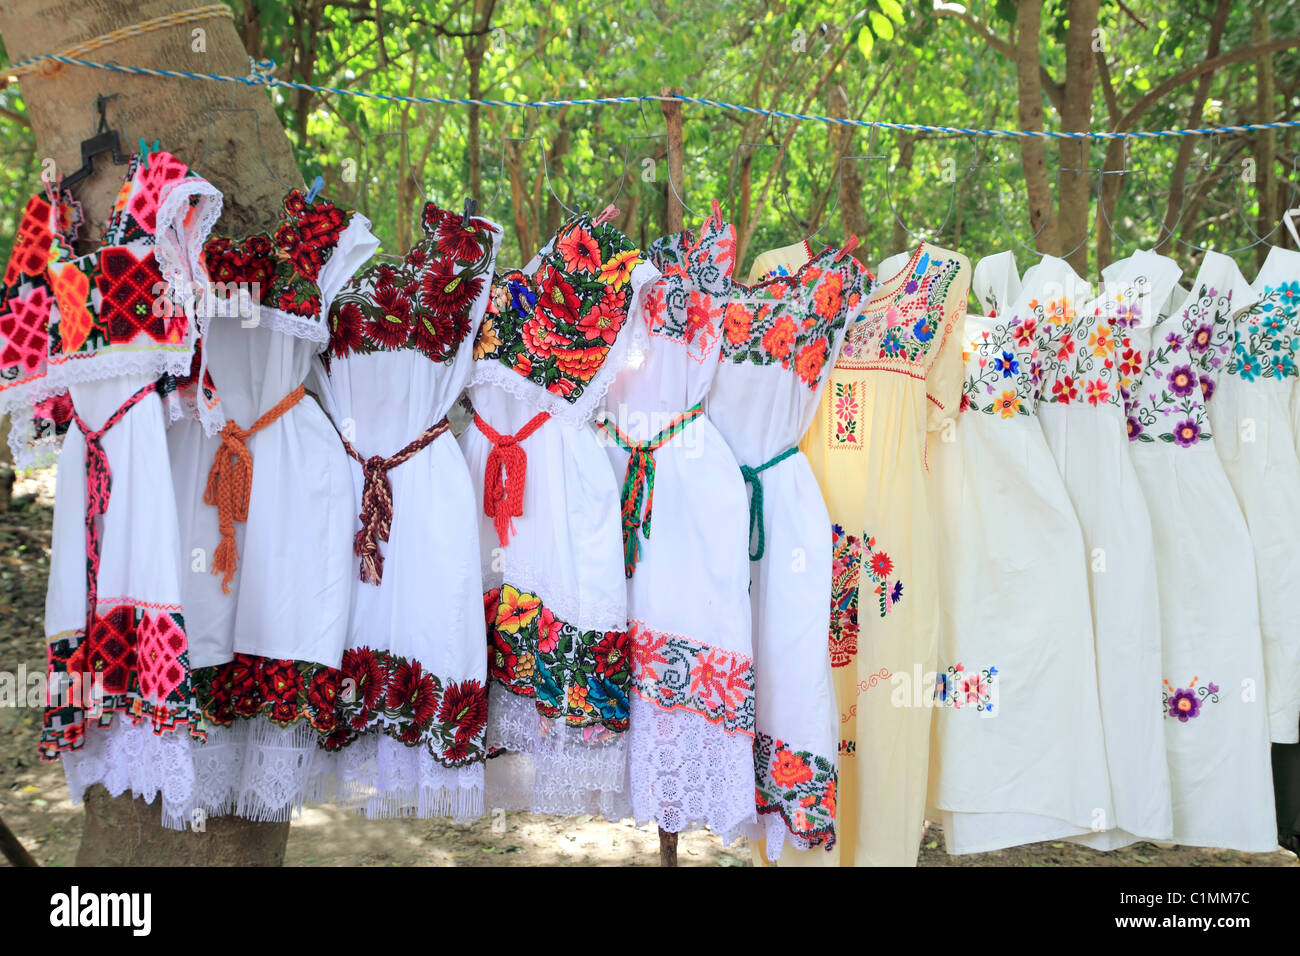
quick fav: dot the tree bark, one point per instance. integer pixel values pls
(1033, 151)
(1075, 186)
(1178, 177)
(673, 212)
(1265, 140)
(61, 103)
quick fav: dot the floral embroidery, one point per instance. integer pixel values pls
(848, 748)
(1002, 376)
(1168, 400)
(1267, 338)
(846, 569)
(792, 320)
(688, 302)
(879, 566)
(844, 413)
(139, 654)
(675, 672)
(556, 326)
(280, 269)
(582, 676)
(1184, 703)
(959, 687)
(902, 331)
(799, 785)
(423, 302)
(372, 691)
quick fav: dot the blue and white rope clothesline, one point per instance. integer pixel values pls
(260, 75)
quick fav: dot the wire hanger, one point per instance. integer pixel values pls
(952, 201)
(104, 140)
(627, 156)
(405, 148)
(1125, 170)
(257, 130)
(870, 154)
(1282, 221)
(780, 180)
(1210, 165)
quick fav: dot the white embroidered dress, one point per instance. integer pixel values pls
(1251, 420)
(1087, 363)
(1019, 750)
(1216, 715)
(409, 739)
(555, 596)
(270, 632)
(692, 705)
(780, 339)
(89, 337)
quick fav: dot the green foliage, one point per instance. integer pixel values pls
(895, 60)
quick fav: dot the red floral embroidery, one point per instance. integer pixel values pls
(24, 336)
(676, 672)
(128, 286)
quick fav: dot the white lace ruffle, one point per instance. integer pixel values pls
(254, 769)
(551, 767)
(128, 756)
(102, 366)
(178, 249)
(686, 772)
(775, 834)
(382, 777)
(584, 615)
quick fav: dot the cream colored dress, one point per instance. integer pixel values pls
(897, 379)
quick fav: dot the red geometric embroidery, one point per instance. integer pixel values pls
(24, 331)
(161, 643)
(31, 249)
(112, 648)
(128, 286)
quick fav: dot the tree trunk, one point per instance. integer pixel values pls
(6, 466)
(1076, 116)
(1178, 178)
(61, 106)
(1265, 140)
(1033, 151)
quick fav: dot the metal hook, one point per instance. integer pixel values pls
(1209, 165)
(1126, 169)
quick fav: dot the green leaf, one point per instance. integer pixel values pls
(1166, 438)
(881, 26)
(865, 41)
(892, 9)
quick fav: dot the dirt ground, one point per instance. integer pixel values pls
(34, 800)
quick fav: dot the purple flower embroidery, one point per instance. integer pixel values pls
(1184, 704)
(1134, 429)
(1182, 381)
(1174, 339)
(1187, 433)
(1201, 339)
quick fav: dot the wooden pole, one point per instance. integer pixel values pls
(13, 850)
(672, 110)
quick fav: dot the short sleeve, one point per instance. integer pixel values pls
(947, 373)
(355, 245)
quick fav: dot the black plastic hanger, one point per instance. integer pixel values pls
(105, 140)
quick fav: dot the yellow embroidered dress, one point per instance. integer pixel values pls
(898, 377)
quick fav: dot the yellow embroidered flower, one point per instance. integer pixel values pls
(1060, 312)
(1101, 342)
(578, 699)
(618, 269)
(525, 666)
(516, 609)
(1007, 405)
(487, 341)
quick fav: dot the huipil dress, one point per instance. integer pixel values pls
(113, 608)
(409, 739)
(267, 509)
(686, 530)
(1214, 695)
(896, 382)
(1082, 343)
(1251, 421)
(555, 595)
(1019, 755)
(780, 336)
